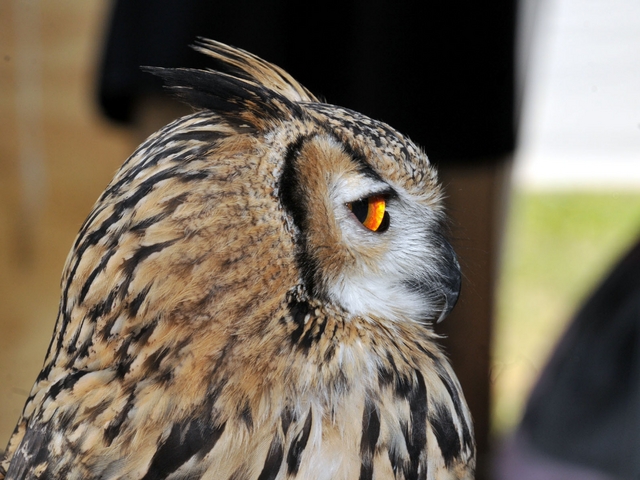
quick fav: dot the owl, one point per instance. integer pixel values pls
(251, 298)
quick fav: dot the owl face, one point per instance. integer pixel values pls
(368, 240)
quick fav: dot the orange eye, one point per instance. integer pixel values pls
(371, 212)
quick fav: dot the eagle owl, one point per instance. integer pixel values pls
(252, 298)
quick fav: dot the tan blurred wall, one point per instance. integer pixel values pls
(42, 208)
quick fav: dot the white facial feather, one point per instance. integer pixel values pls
(383, 288)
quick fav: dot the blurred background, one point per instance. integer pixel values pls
(574, 209)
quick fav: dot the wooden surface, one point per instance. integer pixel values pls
(49, 52)
(476, 203)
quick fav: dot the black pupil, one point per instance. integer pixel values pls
(384, 225)
(360, 209)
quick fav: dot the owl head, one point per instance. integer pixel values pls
(361, 202)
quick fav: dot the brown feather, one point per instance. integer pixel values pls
(223, 314)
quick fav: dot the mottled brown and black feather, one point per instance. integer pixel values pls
(224, 315)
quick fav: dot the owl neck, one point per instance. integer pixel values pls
(326, 352)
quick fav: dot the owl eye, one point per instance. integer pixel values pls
(371, 212)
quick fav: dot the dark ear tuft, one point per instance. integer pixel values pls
(245, 65)
(238, 101)
(252, 91)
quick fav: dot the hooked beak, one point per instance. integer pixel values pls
(452, 280)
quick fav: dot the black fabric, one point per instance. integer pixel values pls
(586, 406)
(440, 71)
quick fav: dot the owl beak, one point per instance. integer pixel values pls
(452, 280)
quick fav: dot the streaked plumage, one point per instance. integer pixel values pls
(224, 315)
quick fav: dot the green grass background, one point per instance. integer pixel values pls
(557, 248)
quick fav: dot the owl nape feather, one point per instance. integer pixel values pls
(225, 314)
